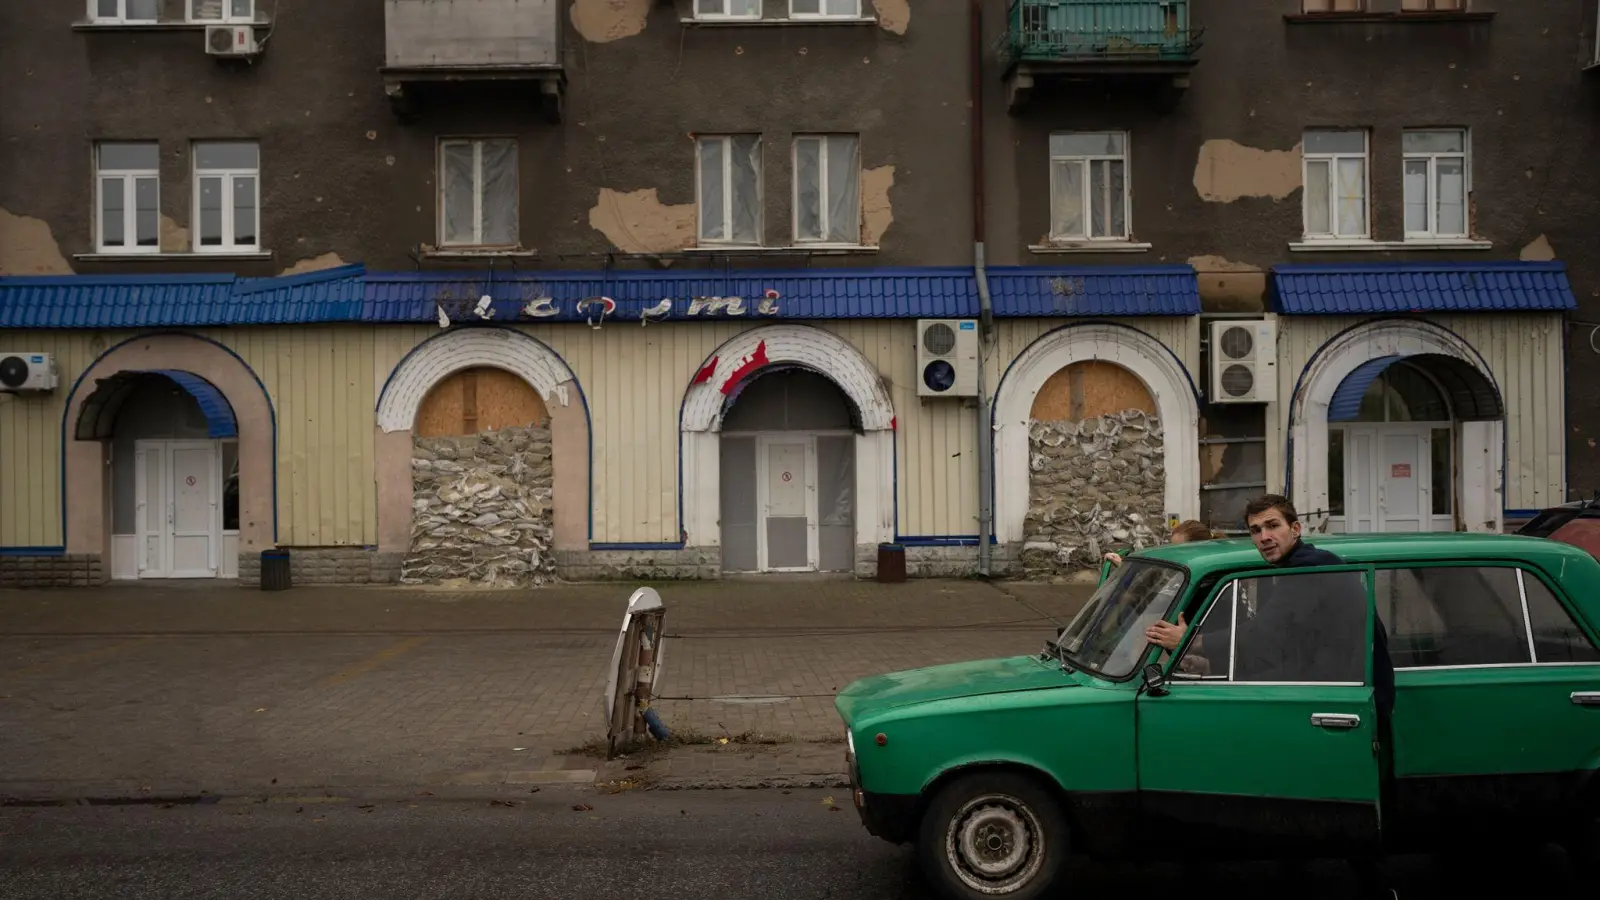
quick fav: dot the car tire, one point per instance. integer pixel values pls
(993, 835)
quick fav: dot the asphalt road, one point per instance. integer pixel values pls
(738, 845)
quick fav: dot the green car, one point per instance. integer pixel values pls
(1262, 735)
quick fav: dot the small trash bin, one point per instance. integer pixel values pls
(275, 570)
(891, 564)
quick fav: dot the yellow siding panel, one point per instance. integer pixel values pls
(30, 438)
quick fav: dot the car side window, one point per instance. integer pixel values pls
(1305, 627)
(1440, 616)
(1556, 637)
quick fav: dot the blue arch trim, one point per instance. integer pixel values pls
(220, 420)
(1346, 403)
(272, 414)
(583, 399)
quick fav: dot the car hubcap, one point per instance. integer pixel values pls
(994, 844)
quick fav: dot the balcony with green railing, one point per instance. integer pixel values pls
(1144, 40)
(1101, 31)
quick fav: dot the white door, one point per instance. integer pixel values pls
(150, 497)
(179, 515)
(1403, 480)
(786, 488)
(1360, 480)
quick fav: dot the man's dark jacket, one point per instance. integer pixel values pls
(1304, 554)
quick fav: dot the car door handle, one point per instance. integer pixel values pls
(1335, 720)
(1586, 698)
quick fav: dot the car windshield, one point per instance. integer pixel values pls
(1106, 638)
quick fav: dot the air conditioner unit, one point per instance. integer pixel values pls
(947, 358)
(231, 40)
(20, 372)
(1244, 361)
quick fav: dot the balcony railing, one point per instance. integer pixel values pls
(1119, 31)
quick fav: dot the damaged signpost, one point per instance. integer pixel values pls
(635, 666)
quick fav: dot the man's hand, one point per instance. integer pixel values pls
(1115, 558)
(1165, 634)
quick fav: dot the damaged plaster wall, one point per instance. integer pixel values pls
(174, 237)
(877, 213)
(1228, 286)
(603, 21)
(1227, 171)
(893, 15)
(27, 247)
(1539, 250)
(638, 222)
(314, 264)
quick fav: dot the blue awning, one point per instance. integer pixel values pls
(180, 301)
(1056, 291)
(97, 420)
(1472, 397)
(1368, 288)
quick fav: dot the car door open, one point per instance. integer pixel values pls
(1263, 728)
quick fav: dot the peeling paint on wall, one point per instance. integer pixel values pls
(1227, 284)
(893, 15)
(638, 222)
(877, 213)
(1228, 170)
(314, 264)
(28, 248)
(603, 21)
(174, 237)
(1539, 251)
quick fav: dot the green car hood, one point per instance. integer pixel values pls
(892, 690)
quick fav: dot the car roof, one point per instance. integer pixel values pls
(1204, 557)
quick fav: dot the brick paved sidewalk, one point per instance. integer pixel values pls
(227, 691)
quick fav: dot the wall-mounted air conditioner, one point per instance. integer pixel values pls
(27, 372)
(1244, 361)
(947, 357)
(231, 40)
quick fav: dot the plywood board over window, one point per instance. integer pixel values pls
(476, 400)
(1089, 389)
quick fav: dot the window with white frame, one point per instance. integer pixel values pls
(1336, 184)
(221, 10)
(1341, 6)
(478, 203)
(827, 188)
(227, 196)
(729, 190)
(1089, 186)
(128, 197)
(124, 10)
(727, 9)
(824, 9)
(1436, 182)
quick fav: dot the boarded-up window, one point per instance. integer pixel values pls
(478, 400)
(1087, 389)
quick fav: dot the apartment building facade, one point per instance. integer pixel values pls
(505, 290)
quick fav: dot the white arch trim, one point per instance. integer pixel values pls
(1482, 453)
(1155, 365)
(440, 357)
(700, 425)
(804, 345)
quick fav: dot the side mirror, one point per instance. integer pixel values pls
(1154, 684)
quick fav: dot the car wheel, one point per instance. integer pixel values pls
(993, 834)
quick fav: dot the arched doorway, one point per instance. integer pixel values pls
(1090, 412)
(1097, 470)
(482, 460)
(788, 474)
(1398, 426)
(169, 471)
(797, 357)
(1392, 463)
(174, 485)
